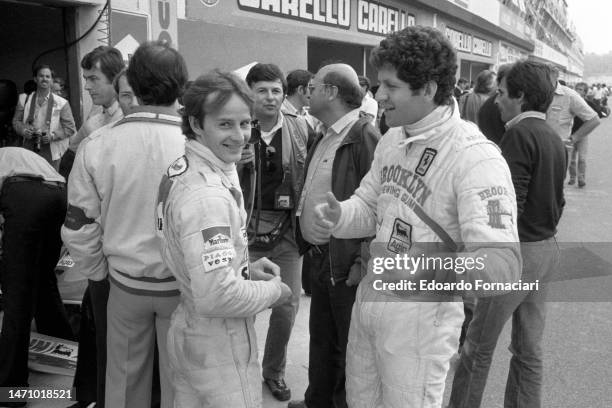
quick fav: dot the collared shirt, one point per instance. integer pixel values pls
(269, 135)
(370, 106)
(524, 115)
(319, 177)
(111, 114)
(290, 108)
(565, 105)
(17, 161)
(40, 110)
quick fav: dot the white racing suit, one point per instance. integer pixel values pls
(400, 345)
(211, 340)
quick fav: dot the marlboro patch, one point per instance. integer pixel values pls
(219, 236)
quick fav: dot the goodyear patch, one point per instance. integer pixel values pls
(425, 162)
(179, 166)
(217, 259)
(401, 237)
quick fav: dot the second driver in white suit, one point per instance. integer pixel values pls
(211, 341)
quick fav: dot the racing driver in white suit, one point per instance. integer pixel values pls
(211, 340)
(438, 190)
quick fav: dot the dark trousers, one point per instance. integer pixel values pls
(34, 213)
(306, 278)
(330, 318)
(90, 375)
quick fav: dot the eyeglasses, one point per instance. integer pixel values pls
(312, 87)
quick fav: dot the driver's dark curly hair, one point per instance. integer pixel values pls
(420, 54)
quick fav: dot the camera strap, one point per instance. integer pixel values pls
(32, 110)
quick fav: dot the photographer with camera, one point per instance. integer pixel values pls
(48, 123)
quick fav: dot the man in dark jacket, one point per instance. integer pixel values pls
(337, 161)
(536, 158)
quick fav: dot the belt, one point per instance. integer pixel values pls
(19, 179)
(318, 249)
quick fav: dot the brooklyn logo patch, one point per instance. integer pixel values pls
(426, 159)
(497, 213)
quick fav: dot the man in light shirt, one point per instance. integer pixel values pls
(337, 162)
(565, 106)
(44, 119)
(108, 227)
(100, 66)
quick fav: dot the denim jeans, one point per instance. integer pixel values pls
(284, 254)
(528, 311)
(329, 322)
(579, 155)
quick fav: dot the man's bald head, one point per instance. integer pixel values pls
(343, 77)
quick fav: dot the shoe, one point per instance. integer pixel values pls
(581, 184)
(297, 404)
(279, 389)
(571, 182)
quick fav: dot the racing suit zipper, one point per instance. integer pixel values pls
(438, 314)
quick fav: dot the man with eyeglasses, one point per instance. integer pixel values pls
(280, 153)
(337, 162)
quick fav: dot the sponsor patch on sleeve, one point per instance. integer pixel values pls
(219, 236)
(216, 259)
(179, 166)
(498, 207)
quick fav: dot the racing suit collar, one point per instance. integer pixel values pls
(203, 152)
(430, 125)
(163, 110)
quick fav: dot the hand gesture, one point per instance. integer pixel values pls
(264, 269)
(28, 132)
(327, 216)
(248, 155)
(45, 139)
(354, 276)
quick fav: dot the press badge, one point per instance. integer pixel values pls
(283, 197)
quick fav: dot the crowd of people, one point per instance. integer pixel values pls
(192, 206)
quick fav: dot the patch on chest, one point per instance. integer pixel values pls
(425, 162)
(179, 166)
(401, 237)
